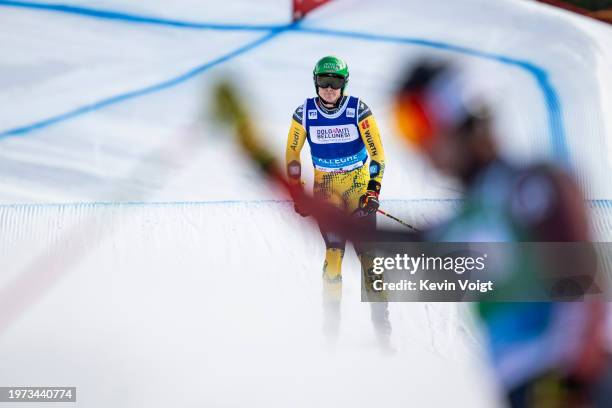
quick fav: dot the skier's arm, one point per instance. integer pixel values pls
(368, 130)
(295, 142)
(549, 203)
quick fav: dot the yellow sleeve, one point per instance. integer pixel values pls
(368, 129)
(295, 142)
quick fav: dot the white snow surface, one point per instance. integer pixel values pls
(144, 261)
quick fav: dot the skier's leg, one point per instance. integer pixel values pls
(332, 274)
(324, 188)
(332, 267)
(377, 298)
(332, 282)
(354, 186)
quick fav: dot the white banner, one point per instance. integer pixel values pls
(333, 134)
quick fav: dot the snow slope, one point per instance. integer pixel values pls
(145, 263)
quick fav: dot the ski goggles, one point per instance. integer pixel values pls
(324, 81)
(423, 114)
(412, 120)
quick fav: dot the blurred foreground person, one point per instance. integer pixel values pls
(343, 137)
(544, 354)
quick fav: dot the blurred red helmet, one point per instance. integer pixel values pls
(431, 100)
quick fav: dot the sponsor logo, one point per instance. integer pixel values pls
(340, 163)
(350, 113)
(365, 124)
(296, 139)
(312, 114)
(370, 141)
(374, 169)
(333, 134)
(331, 66)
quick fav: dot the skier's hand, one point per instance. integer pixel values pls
(368, 203)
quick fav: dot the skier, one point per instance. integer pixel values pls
(342, 134)
(544, 353)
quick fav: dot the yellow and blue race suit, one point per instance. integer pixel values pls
(341, 142)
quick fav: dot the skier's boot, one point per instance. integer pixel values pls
(382, 326)
(331, 319)
(378, 303)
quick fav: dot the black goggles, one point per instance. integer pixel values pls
(335, 82)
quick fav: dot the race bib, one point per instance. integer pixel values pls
(333, 134)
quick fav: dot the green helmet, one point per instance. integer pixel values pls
(332, 66)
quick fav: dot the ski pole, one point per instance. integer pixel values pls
(405, 224)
